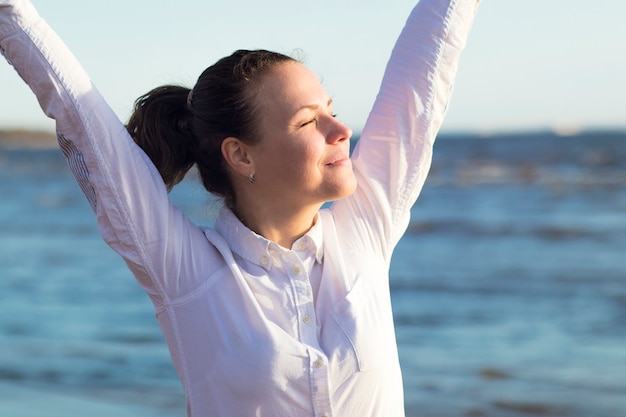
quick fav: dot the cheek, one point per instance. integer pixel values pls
(283, 165)
(311, 159)
(293, 159)
(301, 160)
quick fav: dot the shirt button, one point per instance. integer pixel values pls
(301, 245)
(297, 270)
(319, 363)
(306, 319)
(264, 260)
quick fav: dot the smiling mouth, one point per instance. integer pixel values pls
(339, 161)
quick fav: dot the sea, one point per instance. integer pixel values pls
(508, 289)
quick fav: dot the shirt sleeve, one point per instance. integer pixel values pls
(393, 156)
(134, 214)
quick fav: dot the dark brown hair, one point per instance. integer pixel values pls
(177, 129)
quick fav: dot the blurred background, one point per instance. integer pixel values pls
(529, 65)
(509, 288)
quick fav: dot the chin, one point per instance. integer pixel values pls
(338, 188)
(346, 189)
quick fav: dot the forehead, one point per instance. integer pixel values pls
(291, 86)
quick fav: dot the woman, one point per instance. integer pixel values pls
(283, 308)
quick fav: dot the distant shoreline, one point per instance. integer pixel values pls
(41, 139)
(27, 139)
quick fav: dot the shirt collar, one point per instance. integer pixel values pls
(255, 248)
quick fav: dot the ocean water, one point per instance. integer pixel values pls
(509, 288)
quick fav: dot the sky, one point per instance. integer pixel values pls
(529, 65)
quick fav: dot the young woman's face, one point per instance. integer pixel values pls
(303, 154)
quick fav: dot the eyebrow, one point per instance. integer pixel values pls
(315, 106)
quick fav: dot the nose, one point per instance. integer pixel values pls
(337, 131)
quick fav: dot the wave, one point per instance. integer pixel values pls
(588, 159)
(541, 232)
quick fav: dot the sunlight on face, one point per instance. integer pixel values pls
(303, 154)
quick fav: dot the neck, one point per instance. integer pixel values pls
(280, 225)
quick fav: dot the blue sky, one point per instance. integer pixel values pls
(534, 64)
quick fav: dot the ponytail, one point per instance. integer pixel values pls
(160, 125)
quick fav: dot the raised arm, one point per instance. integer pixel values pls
(124, 189)
(394, 153)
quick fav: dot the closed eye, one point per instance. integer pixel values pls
(314, 120)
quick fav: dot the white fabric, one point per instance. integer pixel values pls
(254, 329)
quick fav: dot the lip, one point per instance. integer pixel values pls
(338, 160)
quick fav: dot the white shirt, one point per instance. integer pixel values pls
(254, 329)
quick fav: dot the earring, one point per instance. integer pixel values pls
(251, 178)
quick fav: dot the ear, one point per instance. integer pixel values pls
(236, 155)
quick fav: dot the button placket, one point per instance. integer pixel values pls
(303, 294)
(321, 387)
(308, 328)
(297, 269)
